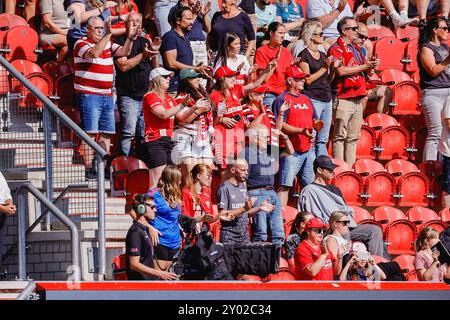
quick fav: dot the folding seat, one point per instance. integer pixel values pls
(444, 215)
(390, 52)
(424, 217)
(119, 267)
(386, 214)
(400, 237)
(412, 122)
(287, 227)
(410, 56)
(431, 168)
(366, 145)
(120, 169)
(407, 33)
(392, 76)
(393, 143)
(342, 166)
(56, 70)
(8, 21)
(21, 43)
(362, 216)
(25, 67)
(64, 92)
(4, 81)
(379, 185)
(137, 181)
(380, 121)
(436, 191)
(42, 82)
(406, 263)
(418, 139)
(351, 185)
(400, 167)
(377, 32)
(288, 213)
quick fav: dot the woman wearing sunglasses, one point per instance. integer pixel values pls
(434, 66)
(312, 259)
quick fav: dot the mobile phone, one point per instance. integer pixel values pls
(237, 117)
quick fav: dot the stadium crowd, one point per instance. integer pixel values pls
(230, 107)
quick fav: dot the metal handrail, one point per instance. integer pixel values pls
(27, 291)
(21, 225)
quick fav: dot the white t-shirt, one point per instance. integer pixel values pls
(5, 193)
(319, 8)
(444, 144)
(233, 64)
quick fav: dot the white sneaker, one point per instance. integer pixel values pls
(400, 22)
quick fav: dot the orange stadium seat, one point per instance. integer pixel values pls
(121, 167)
(407, 33)
(444, 215)
(387, 214)
(366, 145)
(137, 181)
(351, 185)
(390, 51)
(119, 267)
(22, 43)
(377, 32)
(431, 168)
(410, 56)
(405, 261)
(400, 237)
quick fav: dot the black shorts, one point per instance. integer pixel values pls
(164, 253)
(158, 153)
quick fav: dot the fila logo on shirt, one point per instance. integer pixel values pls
(301, 106)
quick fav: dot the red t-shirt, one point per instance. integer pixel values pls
(156, 127)
(276, 83)
(123, 10)
(299, 115)
(190, 208)
(306, 255)
(268, 121)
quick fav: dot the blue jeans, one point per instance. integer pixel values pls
(323, 111)
(97, 113)
(132, 123)
(299, 163)
(269, 98)
(161, 10)
(264, 219)
(446, 174)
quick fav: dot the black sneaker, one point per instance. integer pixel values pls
(91, 174)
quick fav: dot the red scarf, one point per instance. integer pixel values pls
(351, 86)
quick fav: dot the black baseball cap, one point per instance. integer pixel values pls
(324, 162)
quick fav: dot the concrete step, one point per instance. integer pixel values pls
(25, 137)
(110, 226)
(115, 205)
(116, 235)
(8, 296)
(33, 156)
(10, 290)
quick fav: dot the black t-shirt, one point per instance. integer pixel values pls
(320, 89)
(138, 243)
(248, 6)
(134, 82)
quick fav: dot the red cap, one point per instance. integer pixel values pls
(224, 71)
(296, 72)
(260, 89)
(314, 223)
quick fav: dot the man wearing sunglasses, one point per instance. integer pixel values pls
(322, 199)
(139, 248)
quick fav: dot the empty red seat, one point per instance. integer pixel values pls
(121, 167)
(380, 121)
(387, 214)
(362, 216)
(393, 143)
(420, 215)
(42, 82)
(444, 214)
(390, 50)
(289, 213)
(282, 275)
(410, 56)
(366, 167)
(64, 90)
(436, 191)
(365, 147)
(418, 139)
(7, 22)
(376, 32)
(137, 181)
(431, 168)
(399, 167)
(22, 43)
(406, 263)
(407, 33)
(351, 186)
(393, 76)
(342, 166)
(25, 67)
(413, 189)
(412, 122)
(56, 70)
(400, 237)
(119, 270)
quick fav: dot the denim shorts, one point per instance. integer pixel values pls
(298, 164)
(97, 113)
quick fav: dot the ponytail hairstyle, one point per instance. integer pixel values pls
(427, 233)
(196, 170)
(426, 34)
(170, 185)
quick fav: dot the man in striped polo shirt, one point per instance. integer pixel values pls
(94, 71)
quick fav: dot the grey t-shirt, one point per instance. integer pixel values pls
(319, 8)
(231, 197)
(56, 9)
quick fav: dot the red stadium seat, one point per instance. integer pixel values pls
(420, 215)
(412, 122)
(399, 167)
(416, 77)
(366, 167)
(64, 90)
(7, 22)
(4, 81)
(410, 56)
(215, 229)
(288, 213)
(380, 189)
(392, 76)
(351, 185)
(22, 43)
(365, 147)
(438, 225)
(390, 50)
(55, 69)
(287, 227)
(431, 168)
(406, 263)
(393, 143)
(400, 237)
(380, 121)
(43, 83)
(119, 267)
(418, 139)
(436, 192)
(137, 181)
(377, 32)
(25, 67)
(387, 214)
(379, 259)
(343, 166)
(405, 98)
(67, 135)
(362, 216)
(121, 167)
(413, 189)
(445, 215)
(407, 33)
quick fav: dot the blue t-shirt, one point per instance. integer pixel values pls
(79, 31)
(196, 34)
(166, 222)
(289, 13)
(265, 17)
(261, 168)
(173, 41)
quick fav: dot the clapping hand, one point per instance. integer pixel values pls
(202, 106)
(285, 106)
(205, 8)
(336, 63)
(318, 124)
(148, 54)
(267, 206)
(108, 29)
(156, 44)
(249, 203)
(9, 209)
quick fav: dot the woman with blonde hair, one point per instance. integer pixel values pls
(167, 198)
(337, 245)
(426, 261)
(159, 110)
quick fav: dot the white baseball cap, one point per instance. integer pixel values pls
(159, 72)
